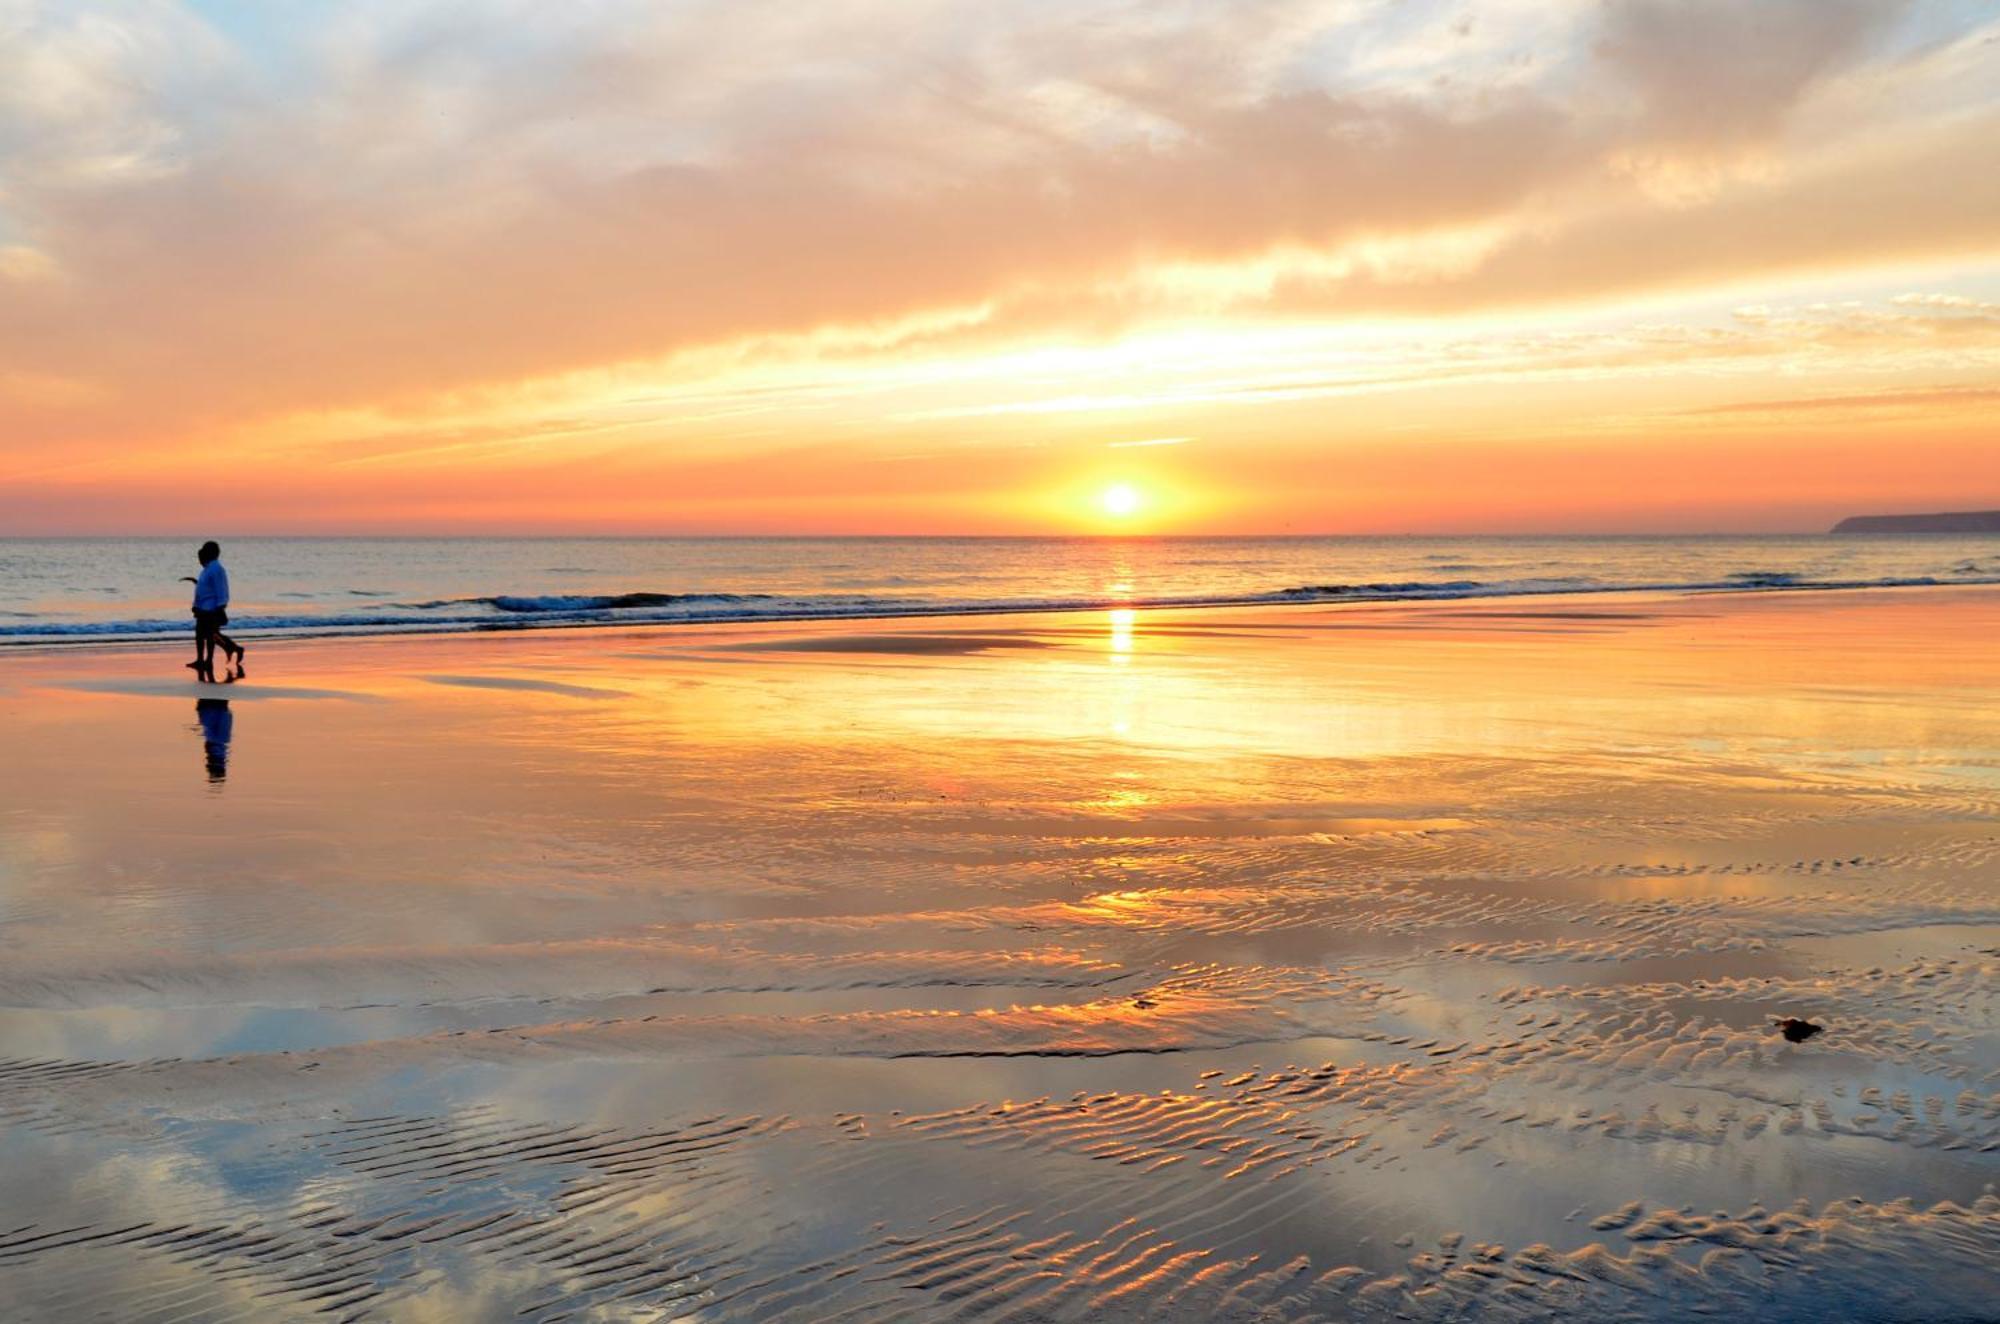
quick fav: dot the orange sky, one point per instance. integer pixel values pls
(917, 266)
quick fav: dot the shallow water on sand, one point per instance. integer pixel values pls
(1351, 963)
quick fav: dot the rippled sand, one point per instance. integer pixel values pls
(1414, 962)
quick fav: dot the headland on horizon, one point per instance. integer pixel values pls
(1949, 521)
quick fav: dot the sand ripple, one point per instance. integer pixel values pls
(635, 1011)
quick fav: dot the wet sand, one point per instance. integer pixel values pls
(1394, 962)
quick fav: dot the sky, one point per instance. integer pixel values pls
(1004, 266)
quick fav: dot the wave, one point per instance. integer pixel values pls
(584, 602)
(517, 612)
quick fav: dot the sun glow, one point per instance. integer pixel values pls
(1121, 500)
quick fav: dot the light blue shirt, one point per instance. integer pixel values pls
(211, 591)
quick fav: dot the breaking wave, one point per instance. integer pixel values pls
(584, 602)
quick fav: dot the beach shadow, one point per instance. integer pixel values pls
(218, 727)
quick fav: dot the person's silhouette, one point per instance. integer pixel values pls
(211, 602)
(218, 725)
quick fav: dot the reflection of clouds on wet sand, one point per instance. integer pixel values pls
(915, 645)
(169, 687)
(1203, 967)
(527, 683)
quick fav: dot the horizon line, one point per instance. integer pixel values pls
(1079, 535)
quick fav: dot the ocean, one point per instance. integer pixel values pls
(79, 590)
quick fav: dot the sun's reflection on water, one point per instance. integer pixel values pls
(1122, 620)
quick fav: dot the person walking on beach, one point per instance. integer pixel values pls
(211, 600)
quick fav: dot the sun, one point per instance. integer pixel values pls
(1121, 500)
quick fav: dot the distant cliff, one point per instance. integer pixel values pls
(1953, 521)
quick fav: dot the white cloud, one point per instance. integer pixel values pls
(412, 197)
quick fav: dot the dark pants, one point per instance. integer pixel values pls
(207, 636)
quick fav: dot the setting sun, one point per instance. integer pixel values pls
(1121, 500)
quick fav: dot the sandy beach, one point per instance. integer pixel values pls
(1398, 961)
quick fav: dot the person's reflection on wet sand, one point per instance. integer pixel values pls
(217, 725)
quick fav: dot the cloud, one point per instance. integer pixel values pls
(387, 214)
(1949, 302)
(310, 285)
(1926, 400)
(1720, 72)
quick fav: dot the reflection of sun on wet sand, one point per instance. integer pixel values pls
(1378, 963)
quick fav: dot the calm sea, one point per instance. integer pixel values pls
(91, 589)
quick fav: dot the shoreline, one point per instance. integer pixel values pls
(1284, 599)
